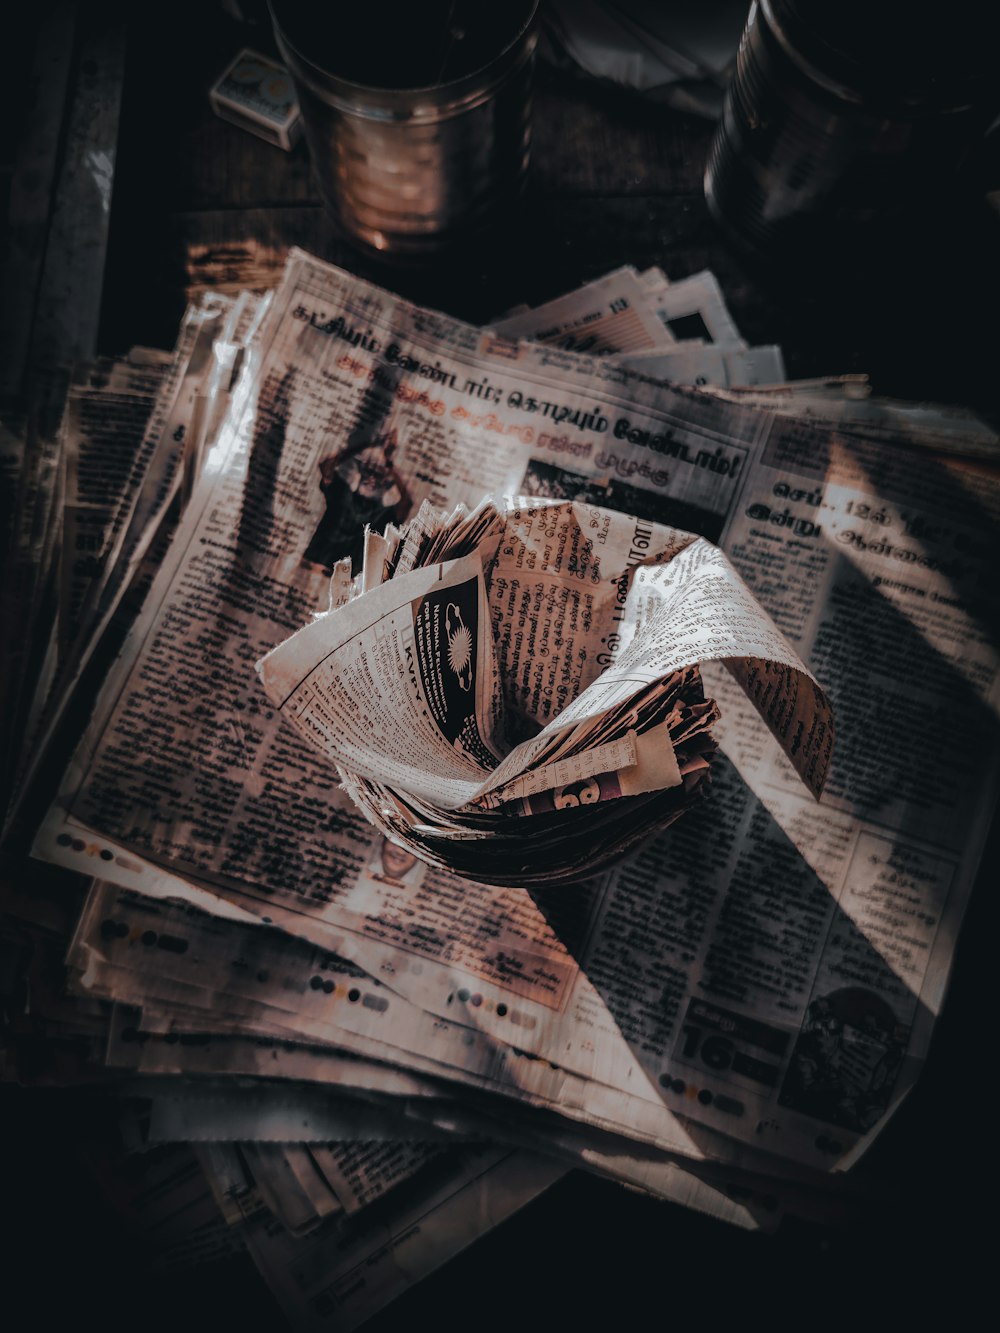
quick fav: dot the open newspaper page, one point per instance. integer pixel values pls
(740, 971)
(104, 417)
(679, 332)
(260, 1001)
(875, 564)
(610, 315)
(943, 427)
(144, 452)
(253, 1027)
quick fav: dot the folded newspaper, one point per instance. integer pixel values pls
(530, 671)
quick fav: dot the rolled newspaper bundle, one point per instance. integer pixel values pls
(515, 694)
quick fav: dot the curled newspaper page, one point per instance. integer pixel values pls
(558, 659)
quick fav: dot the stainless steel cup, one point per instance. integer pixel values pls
(847, 113)
(405, 170)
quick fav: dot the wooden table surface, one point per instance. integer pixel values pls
(614, 180)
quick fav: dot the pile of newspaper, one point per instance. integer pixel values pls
(354, 1039)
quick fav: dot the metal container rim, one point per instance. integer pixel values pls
(440, 100)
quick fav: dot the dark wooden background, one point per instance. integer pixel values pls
(614, 180)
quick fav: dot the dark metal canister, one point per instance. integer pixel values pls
(409, 170)
(844, 112)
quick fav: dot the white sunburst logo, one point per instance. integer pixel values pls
(460, 650)
(459, 646)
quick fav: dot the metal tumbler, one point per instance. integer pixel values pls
(845, 112)
(417, 117)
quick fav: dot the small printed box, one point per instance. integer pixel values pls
(257, 94)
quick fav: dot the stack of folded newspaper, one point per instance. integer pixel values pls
(309, 995)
